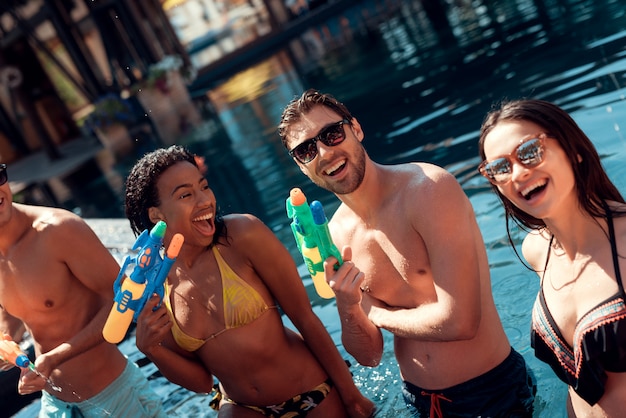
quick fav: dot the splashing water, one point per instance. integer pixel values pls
(79, 399)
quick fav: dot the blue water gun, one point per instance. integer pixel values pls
(310, 229)
(147, 278)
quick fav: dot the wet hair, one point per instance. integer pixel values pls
(593, 186)
(302, 105)
(142, 192)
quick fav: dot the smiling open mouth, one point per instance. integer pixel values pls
(331, 171)
(205, 223)
(528, 192)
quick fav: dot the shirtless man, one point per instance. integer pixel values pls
(56, 277)
(422, 270)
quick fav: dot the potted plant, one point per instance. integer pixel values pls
(110, 120)
(110, 109)
(158, 73)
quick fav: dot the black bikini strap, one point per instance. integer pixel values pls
(547, 258)
(609, 221)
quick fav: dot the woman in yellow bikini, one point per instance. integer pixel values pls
(220, 315)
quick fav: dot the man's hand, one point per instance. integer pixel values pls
(346, 280)
(30, 382)
(45, 363)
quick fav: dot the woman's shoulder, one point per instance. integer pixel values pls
(535, 247)
(618, 211)
(241, 220)
(244, 225)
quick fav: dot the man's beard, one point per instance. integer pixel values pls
(350, 184)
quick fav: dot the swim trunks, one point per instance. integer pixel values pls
(298, 406)
(507, 390)
(127, 396)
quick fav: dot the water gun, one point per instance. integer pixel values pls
(12, 353)
(148, 277)
(310, 229)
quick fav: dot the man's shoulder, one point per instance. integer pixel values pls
(432, 170)
(343, 219)
(417, 169)
(53, 220)
(421, 176)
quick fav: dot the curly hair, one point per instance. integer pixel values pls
(593, 185)
(142, 192)
(302, 105)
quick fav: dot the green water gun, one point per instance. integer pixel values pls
(310, 229)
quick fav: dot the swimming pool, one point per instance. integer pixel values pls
(416, 103)
(514, 290)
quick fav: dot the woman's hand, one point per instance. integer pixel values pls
(153, 325)
(360, 407)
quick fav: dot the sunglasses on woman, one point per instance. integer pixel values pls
(529, 153)
(330, 136)
(3, 174)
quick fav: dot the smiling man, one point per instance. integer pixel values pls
(422, 269)
(56, 277)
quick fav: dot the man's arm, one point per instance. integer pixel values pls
(11, 326)
(93, 265)
(360, 337)
(445, 222)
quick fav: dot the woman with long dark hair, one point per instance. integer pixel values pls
(549, 177)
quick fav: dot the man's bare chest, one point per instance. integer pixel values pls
(33, 283)
(393, 265)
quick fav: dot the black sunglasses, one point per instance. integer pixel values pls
(330, 136)
(3, 174)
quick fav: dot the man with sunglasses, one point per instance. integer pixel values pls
(422, 269)
(56, 277)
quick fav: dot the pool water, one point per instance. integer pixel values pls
(417, 99)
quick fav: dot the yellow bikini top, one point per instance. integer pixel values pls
(242, 305)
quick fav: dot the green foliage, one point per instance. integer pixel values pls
(110, 109)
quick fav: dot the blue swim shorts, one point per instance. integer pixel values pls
(129, 395)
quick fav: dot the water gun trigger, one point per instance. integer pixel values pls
(298, 226)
